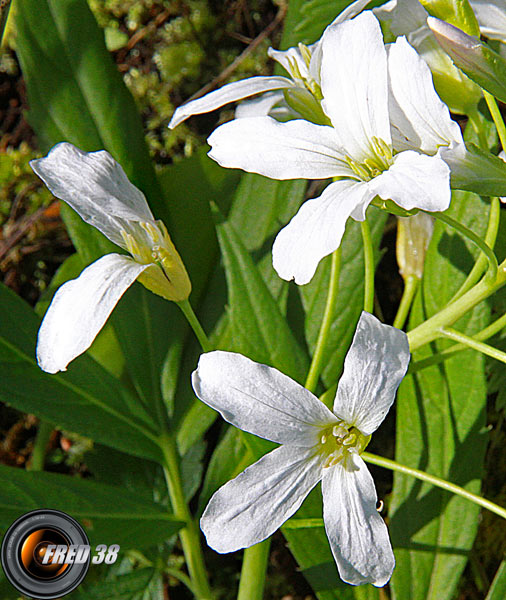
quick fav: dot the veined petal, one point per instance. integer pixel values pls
(95, 186)
(376, 362)
(354, 84)
(420, 120)
(317, 229)
(80, 309)
(491, 15)
(357, 534)
(415, 181)
(252, 506)
(237, 90)
(294, 150)
(259, 399)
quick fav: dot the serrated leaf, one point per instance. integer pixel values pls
(440, 417)
(109, 514)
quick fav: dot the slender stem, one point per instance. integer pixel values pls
(369, 267)
(189, 535)
(410, 286)
(456, 336)
(498, 325)
(497, 117)
(254, 567)
(466, 232)
(40, 446)
(317, 361)
(184, 579)
(490, 238)
(437, 481)
(192, 319)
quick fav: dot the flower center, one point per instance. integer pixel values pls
(151, 243)
(341, 441)
(379, 160)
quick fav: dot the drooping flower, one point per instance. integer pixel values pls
(388, 133)
(96, 187)
(317, 444)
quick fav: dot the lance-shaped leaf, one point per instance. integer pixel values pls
(478, 61)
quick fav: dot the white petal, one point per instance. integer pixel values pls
(351, 11)
(237, 90)
(355, 85)
(80, 309)
(357, 534)
(259, 399)
(287, 57)
(376, 362)
(404, 16)
(420, 120)
(95, 186)
(317, 229)
(415, 181)
(260, 106)
(294, 150)
(491, 15)
(257, 502)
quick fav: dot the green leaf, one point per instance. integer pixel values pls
(108, 513)
(478, 171)
(85, 399)
(260, 331)
(350, 297)
(497, 590)
(457, 12)
(128, 586)
(440, 421)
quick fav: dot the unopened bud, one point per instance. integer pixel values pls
(413, 237)
(479, 62)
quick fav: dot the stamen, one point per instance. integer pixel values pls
(306, 54)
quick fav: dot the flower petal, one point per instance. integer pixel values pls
(420, 120)
(357, 534)
(257, 502)
(376, 362)
(294, 150)
(259, 399)
(415, 181)
(317, 229)
(491, 15)
(237, 90)
(261, 106)
(80, 309)
(355, 85)
(95, 186)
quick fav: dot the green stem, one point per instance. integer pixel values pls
(437, 481)
(497, 117)
(317, 361)
(190, 534)
(40, 446)
(456, 336)
(192, 319)
(410, 286)
(369, 267)
(484, 334)
(466, 232)
(490, 238)
(184, 579)
(254, 567)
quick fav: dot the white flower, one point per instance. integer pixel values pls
(317, 444)
(96, 187)
(388, 133)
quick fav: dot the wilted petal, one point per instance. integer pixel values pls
(357, 534)
(95, 186)
(259, 399)
(373, 369)
(420, 120)
(415, 181)
(257, 502)
(80, 309)
(354, 84)
(317, 229)
(237, 90)
(294, 150)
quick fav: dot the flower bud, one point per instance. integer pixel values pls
(479, 62)
(413, 237)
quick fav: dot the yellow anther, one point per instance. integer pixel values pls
(323, 439)
(305, 53)
(339, 431)
(350, 439)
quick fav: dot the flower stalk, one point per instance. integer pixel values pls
(368, 266)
